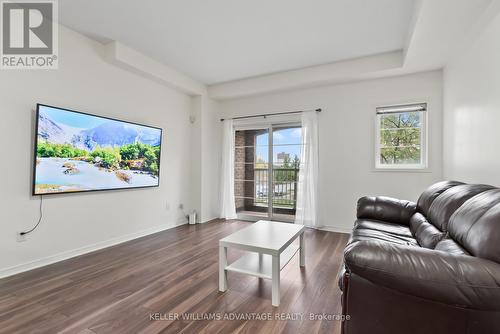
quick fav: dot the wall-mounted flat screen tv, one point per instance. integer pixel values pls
(76, 152)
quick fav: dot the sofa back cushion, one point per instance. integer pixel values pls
(428, 196)
(427, 235)
(386, 209)
(449, 201)
(476, 225)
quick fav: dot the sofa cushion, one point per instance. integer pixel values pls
(458, 280)
(450, 246)
(427, 235)
(428, 196)
(476, 225)
(449, 201)
(383, 227)
(362, 234)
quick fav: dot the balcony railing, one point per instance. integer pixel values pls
(284, 187)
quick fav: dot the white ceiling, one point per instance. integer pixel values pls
(216, 41)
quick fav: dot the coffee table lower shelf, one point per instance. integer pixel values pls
(260, 265)
(269, 246)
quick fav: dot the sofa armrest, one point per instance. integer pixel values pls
(386, 208)
(460, 280)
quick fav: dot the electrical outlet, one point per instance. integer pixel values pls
(167, 206)
(181, 206)
(20, 237)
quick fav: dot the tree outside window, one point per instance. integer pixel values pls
(400, 134)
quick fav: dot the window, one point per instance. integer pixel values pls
(401, 137)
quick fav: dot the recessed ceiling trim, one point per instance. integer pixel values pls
(134, 61)
(334, 73)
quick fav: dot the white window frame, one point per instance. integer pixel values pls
(421, 107)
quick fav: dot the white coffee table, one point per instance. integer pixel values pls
(270, 246)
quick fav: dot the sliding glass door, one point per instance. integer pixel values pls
(267, 162)
(286, 146)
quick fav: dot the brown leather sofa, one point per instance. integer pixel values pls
(426, 267)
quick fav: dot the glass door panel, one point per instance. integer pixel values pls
(251, 165)
(286, 149)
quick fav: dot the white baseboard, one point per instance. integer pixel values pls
(84, 250)
(209, 220)
(336, 229)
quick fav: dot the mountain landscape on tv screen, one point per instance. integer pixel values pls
(112, 133)
(80, 152)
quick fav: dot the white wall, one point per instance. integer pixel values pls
(205, 161)
(195, 149)
(78, 222)
(472, 110)
(211, 142)
(347, 138)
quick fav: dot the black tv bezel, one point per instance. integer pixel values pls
(33, 193)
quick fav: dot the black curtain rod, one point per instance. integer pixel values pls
(273, 114)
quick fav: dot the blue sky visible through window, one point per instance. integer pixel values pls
(285, 141)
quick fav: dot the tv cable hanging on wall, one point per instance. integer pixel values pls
(39, 219)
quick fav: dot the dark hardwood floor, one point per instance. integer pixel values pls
(172, 273)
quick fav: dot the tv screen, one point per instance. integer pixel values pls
(77, 152)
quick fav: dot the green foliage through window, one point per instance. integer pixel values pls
(400, 138)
